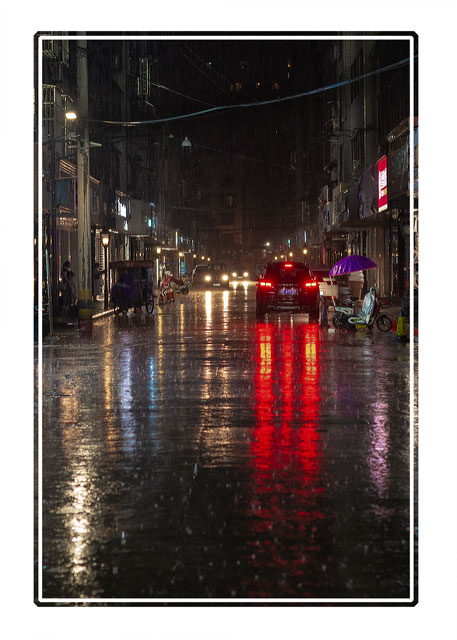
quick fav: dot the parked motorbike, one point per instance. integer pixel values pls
(369, 315)
(169, 287)
(342, 313)
(344, 317)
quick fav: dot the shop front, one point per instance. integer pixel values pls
(402, 220)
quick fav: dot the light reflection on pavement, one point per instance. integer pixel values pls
(204, 453)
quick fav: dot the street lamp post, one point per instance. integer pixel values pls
(105, 242)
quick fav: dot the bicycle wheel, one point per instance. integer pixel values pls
(384, 323)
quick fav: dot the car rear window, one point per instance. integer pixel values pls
(291, 275)
(320, 275)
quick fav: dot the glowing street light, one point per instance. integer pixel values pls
(104, 235)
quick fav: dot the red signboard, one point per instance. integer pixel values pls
(382, 183)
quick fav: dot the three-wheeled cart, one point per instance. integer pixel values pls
(133, 285)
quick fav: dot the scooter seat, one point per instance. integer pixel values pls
(367, 309)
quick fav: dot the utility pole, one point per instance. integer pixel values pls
(84, 250)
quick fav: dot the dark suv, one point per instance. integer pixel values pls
(288, 286)
(210, 276)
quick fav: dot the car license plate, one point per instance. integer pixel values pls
(288, 292)
(216, 284)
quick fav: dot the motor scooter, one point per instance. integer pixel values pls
(167, 291)
(342, 313)
(344, 317)
(369, 315)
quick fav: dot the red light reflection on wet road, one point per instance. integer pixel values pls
(286, 448)
(287, 398)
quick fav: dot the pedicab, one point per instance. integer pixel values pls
(134, 285)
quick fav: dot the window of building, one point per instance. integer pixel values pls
(144, 79)
(357, 69)
(49, 99)
(358, 150)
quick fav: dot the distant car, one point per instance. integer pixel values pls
(323, 279)
(288, 286)
(240, 275)
(209, 276)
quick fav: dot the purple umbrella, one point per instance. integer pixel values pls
(350, 264)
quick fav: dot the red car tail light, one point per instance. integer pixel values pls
(310, 284)
(264, 283)
(288, 265)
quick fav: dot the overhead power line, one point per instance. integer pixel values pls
(342, 83)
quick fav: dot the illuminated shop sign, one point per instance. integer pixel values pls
(382, 184)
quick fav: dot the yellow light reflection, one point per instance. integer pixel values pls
(379, 450)
(208, 306)
(126, 391)
(79, 523)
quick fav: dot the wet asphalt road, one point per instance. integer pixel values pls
(202, 453)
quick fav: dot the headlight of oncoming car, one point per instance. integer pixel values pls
(225, 277)
(245, 274)
(207, 278)
(234, 274)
